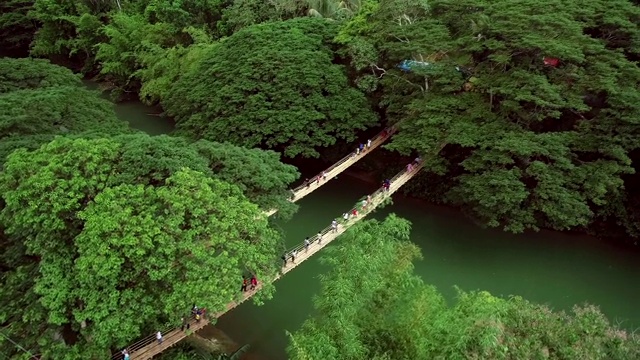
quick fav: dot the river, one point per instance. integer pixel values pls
(547, 267)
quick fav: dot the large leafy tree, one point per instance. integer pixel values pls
(537, 105)
(372, 306)
(259, 174)
(92, 261)
(29, 73)
(272, 85)
(39, 100)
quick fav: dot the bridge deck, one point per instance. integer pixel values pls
(149, 347)
(343, 164)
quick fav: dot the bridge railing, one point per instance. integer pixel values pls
(380, 192)
(380, 137)
(142, 343)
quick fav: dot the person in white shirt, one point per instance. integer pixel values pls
(159, 337)
(334, 226)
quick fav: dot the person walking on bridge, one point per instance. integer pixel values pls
(159, 337)
(244, 284)
(320, 236)
(254, 282)
(293, 256)
(368, 144)
(306, 244)
(284, 259)
(334, 226)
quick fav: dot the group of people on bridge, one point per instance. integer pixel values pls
(360, 149)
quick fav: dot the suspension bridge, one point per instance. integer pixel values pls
(149, 347)
(315, 182)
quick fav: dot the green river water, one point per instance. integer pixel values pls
(546, 267)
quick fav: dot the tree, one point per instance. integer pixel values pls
(16, 29)
(528, 143)
(94, 262)
(162, 67)
(244, 13)
(40, 100)
(69, 28)
(149, 160)
(28, 73)
(276, 86)
(372, 306)
(63, 109)
(128, 36)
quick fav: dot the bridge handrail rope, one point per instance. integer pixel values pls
(381, 137)
(376, 198)
(144, 342)
(376, 194)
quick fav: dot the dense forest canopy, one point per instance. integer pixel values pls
(275, 85)
(526, 113)
(39, 100)
(101, 242)
(534, 108)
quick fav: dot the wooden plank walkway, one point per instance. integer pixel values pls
(149, 347)
(336, 169)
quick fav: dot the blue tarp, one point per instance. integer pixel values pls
(407, 65)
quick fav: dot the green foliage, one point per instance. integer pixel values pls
(16, 29)
(271, 85)
(527, 145)
(371, 306)
(128, 36)
(243, 13)
(40, 100)
(17, 74)
(259, 174)
(58, 110)
(94, 262)
(186, 13)
(161, 67)
(69, 27)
